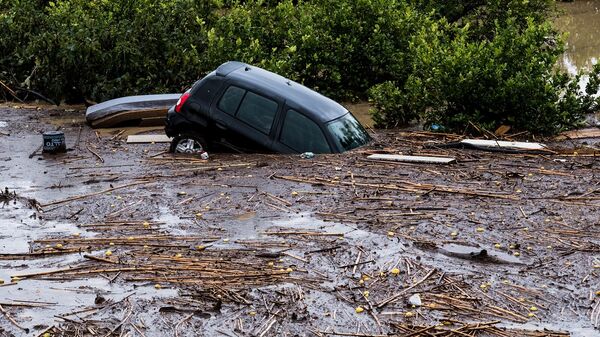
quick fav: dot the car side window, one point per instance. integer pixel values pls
(258, 111)
(302, 134)
(231, 99)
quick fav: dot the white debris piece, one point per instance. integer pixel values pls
(503, 144)
(137, 139)
(412, 159)
(415, 300)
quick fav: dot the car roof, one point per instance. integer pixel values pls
(317, 106)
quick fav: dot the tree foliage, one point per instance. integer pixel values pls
(487, 67)
(448, 62)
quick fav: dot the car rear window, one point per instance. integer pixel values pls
(205, 90)
(348, 133)
(302, 134)
(231, 99)
(258, 111)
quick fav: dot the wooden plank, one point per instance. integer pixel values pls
(482, 143)
(138, 139)
(412, 159)
(579, 134)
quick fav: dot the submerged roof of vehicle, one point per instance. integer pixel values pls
(320, 107)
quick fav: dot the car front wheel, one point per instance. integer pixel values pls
(188, 143)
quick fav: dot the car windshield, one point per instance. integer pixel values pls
(347, 132)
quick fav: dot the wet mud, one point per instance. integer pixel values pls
(125, 239)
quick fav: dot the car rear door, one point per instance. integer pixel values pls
(247, 118)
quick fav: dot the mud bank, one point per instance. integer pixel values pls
(124, 239)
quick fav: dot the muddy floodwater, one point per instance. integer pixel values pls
(118, 239)
(581, 20)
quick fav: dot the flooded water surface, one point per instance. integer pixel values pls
(581, 20)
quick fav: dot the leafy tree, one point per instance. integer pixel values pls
(19, 24)
(105, 49)
(450, 62)
(503, 74)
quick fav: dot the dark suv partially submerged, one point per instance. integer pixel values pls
(249, 109)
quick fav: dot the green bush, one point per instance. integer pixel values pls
(340, 48)
(19, 23)
(393, 106)
(106, 49)
(510, 79)
(487, 62)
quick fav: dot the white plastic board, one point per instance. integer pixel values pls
(412, 159)
(138, 139)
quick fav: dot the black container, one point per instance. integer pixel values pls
(54, 142)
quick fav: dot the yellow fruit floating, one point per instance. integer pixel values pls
(108, 253)
(359, 310)
(395, 271)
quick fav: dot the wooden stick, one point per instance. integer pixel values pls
(418, 332)
(78, 197)
(395, 297)
(416, 188)
(95, 154)
(304, 233)
(9, 317)
(11, 92)
(91, 257)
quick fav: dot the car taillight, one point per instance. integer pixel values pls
(181, 101)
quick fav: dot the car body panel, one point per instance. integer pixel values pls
(251, 107)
